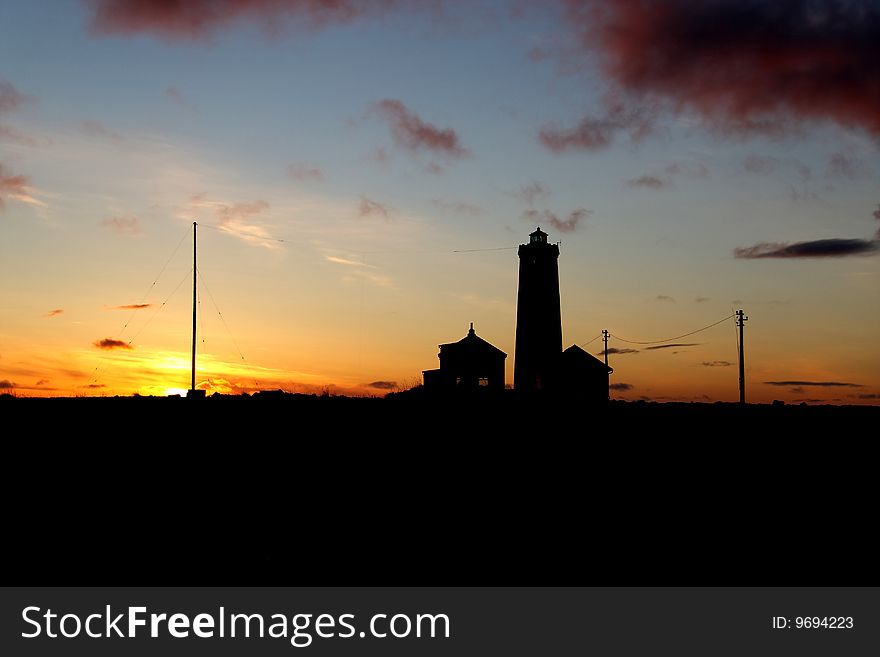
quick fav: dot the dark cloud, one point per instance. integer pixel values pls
(868, 395)
(664, 297)
(383, 385)
(368, 208)
(615, 350)
(717, 363)
(55, 312)
(649, 181)
(567, 225)
(42, 382)
(6, 384)
(111, 343)
(593, 133)
(621, 386)
(197, 19)
(98, 129)
(674, 344)
(123, 225)
(11, 185)
(413, 134)
(743, 65)
(93, 386)
(305, 173)
(818, 384)
(828, 248)
(459, 207)
(532, 192)
(133, 306)
(702, 299)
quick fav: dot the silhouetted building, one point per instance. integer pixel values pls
(538, 319)
(582, 375)
(469, 364)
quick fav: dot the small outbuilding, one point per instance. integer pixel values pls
(472, 363)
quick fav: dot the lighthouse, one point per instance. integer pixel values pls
(538, 318)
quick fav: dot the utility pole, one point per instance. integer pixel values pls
(195, 269)
(605, 351)
(605, 340)
(740, 322)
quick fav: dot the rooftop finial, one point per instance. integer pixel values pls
(471, 331)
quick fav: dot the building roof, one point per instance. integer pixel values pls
(472, 343)
(580, 358)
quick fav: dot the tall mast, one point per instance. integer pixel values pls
(195, 270)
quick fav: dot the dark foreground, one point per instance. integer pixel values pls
(299, 489)
(507, 416)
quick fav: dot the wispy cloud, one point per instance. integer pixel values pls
(827, 248)
(111, 343)
(717, 363)
(458, 207)
(369, 208)
(198, 19)
(532, 192)
(617, 350)
(649, 181)
(818, 384)
(15, 187)
(567, 225)
(101, 131)
(361, 271)
(673, 345)
(123, 225)
(664, 297)
(305, 173)
(382, 385)
(236, 219)
(623, 387)
(55, 312)
(702, 299)
(134, 306)
(175, 94)
(597, 132)
(411, 133)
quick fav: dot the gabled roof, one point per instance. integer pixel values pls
(580, 358)
(472, 343)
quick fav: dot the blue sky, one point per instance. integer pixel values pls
(160, 130)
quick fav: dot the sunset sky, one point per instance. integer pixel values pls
(363, 171)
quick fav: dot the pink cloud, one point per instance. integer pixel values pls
(197, 19)
(744, 66)
(413, 134)
(12, 186)
(123, 225)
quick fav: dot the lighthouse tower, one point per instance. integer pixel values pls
(538, 319)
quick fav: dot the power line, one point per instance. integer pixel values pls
(153, 284)
(677, 337)
(584, 344)
(220, 315)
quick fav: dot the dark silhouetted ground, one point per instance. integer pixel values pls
(286, 489)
